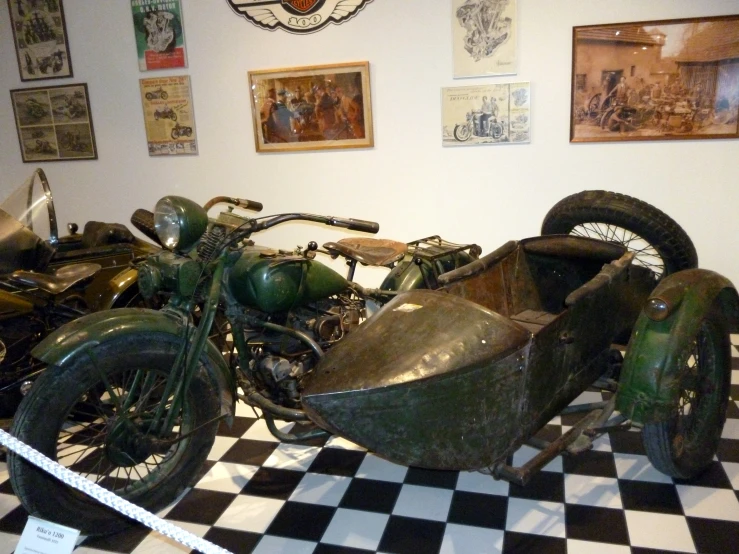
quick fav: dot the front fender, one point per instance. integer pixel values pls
(649, 383)
(91, 330)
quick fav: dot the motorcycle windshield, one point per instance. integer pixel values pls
(30, 205)
(27, 226)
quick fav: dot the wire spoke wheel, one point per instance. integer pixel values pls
(103, 415)
(646, 254)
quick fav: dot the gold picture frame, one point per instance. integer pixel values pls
(312, 108)
(655, 80)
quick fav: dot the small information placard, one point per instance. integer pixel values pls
(44, 537)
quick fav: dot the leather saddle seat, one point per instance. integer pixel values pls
(368, 251)
(59, 281)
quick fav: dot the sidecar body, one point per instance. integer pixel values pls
(460, 377)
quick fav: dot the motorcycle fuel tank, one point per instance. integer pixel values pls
(432, 380)
(278, 283)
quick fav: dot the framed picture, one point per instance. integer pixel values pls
(486, 114)
(656, 80)
(54, 123)
(160, 35)
(312, 108)
(40, 38)
(168, 115)
(484, 37)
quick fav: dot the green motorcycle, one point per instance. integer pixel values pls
(132, 398)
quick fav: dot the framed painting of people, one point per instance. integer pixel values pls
(656, 80)
(40, 39)
(312, 108)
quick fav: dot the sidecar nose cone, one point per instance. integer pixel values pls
(424, 356)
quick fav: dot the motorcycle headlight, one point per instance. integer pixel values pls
(179, 222)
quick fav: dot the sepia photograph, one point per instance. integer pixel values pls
(54, 123)
(312, 108)
(656, 80)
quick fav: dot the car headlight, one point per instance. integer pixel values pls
(179, 222)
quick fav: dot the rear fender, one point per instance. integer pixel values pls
(87, 332)
(649, 383)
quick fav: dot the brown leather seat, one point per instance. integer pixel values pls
(367, 250)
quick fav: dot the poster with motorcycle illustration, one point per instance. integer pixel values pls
(484, 37)
(486, 114)
(40, 38)
(54, 123)
(168, 115)
(160, 38)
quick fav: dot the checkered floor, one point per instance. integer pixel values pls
(257, 495)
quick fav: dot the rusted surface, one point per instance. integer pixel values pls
(368, 250)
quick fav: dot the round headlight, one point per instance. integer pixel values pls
(179, 222)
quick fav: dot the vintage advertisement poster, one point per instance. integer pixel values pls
(168, 115)
(486, 114)
(40, 39)
(297, 16)
(54, 123)
(484, 37)
(160, 37)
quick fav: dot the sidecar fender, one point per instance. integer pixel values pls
(91, 330)
(649, 379)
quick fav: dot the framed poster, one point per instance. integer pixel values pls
(312, 108)
(160, 36)
(484, 37)
(168, 115)
(54, 123)
(486, 114)
(655, 80)
(40, 39)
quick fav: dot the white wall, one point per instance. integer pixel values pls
(407, 182)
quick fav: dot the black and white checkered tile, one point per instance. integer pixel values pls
(257, 495)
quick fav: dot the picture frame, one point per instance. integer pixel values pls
(40, 39)
(54, 123)
(159, 31)
(169, 115)
(316, 107)
(484, 37)
(497, 113)
(655, 80)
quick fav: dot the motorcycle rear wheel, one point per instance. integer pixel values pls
(72, 417)
(658, 240)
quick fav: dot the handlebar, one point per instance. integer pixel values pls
(238, 202)
(346, 223)
(355, 224)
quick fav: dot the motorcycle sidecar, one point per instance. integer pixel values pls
(460, 377)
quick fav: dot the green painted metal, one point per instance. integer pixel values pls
(279, 283)
(193, 220)
(89, 331)
(13, 305)
(650, 380)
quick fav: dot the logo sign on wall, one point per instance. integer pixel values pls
(297, 16)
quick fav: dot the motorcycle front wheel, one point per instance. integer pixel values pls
(95, 416)
(462, 132)
(174, 134)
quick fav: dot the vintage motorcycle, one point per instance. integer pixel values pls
(158, 93)
(47, 280)
(152, 413)
(165, 113)
(180, 131)
(472, 127)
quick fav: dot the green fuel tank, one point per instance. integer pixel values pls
(278, 283)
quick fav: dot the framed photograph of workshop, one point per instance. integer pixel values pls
(54, 123)
(484, 37)
(656, 80)
(312, 108)
(40, 39)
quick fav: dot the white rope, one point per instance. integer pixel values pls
(108, 498)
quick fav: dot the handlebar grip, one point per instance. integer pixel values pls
(248, 204)
(355, 224)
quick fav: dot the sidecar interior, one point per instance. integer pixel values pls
(536, 279)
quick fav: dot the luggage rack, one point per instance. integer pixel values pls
(436, 250)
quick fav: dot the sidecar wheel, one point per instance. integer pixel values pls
(659, 242)
(684, 445)
(462, 132)
(71, 416)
